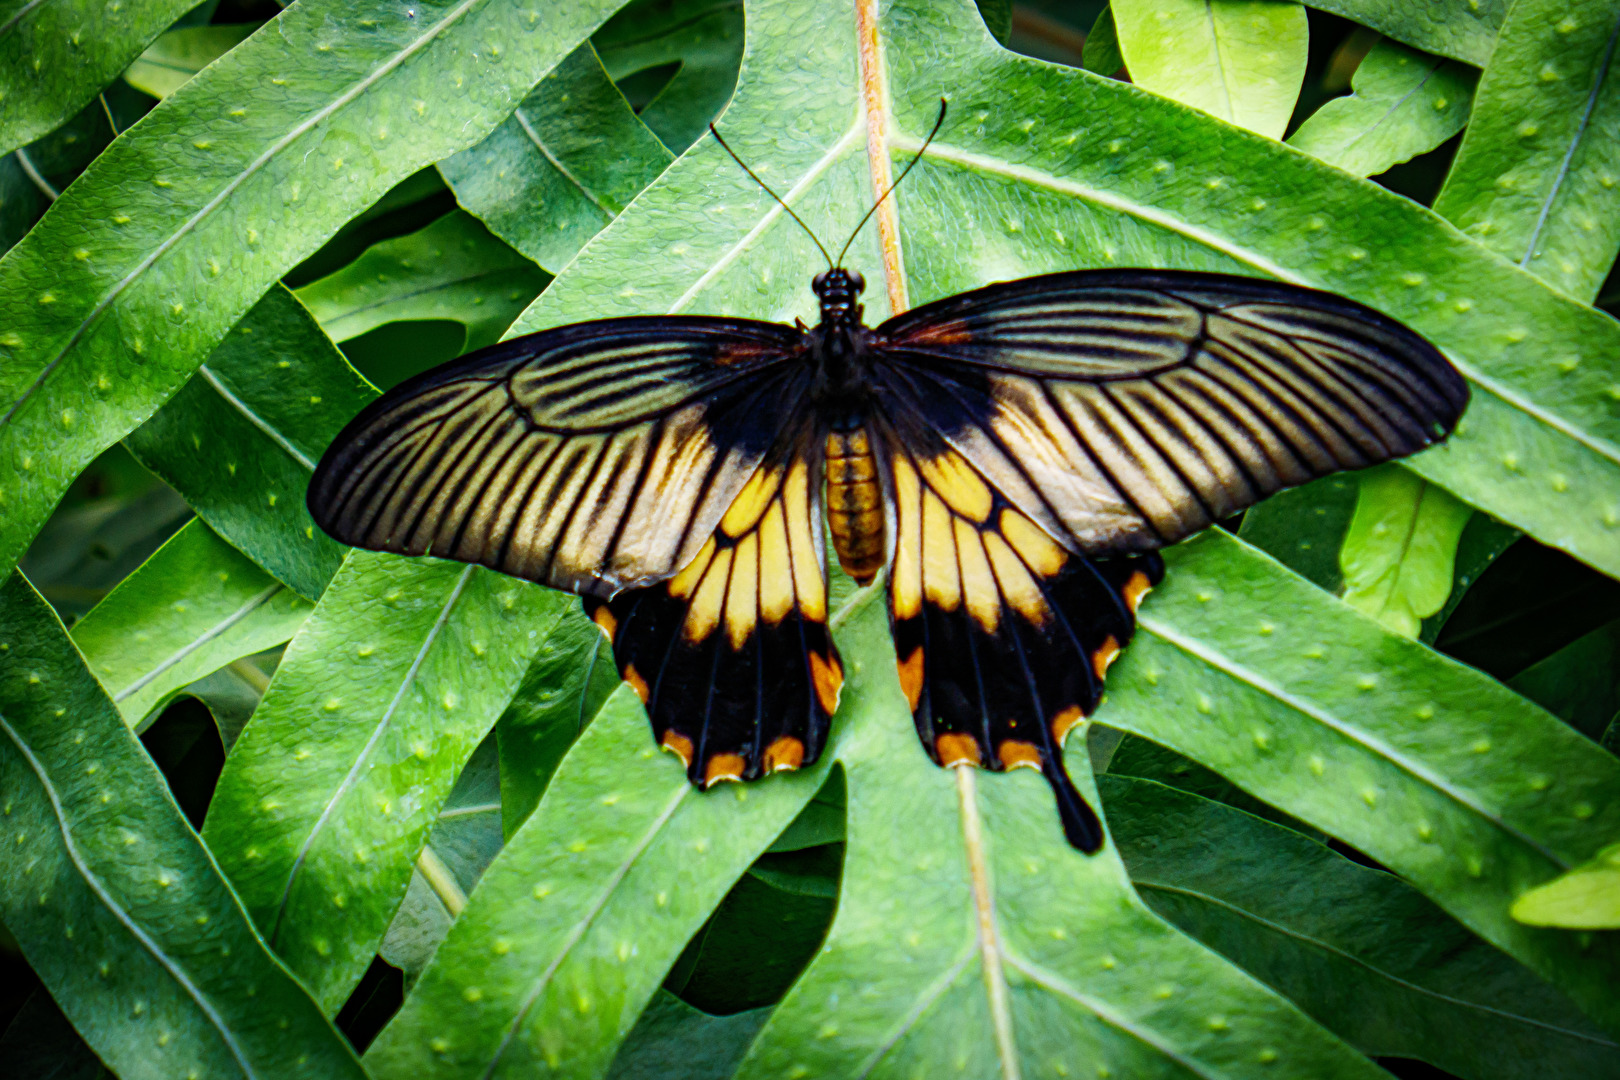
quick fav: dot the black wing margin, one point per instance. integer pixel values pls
(593, 457)
(1125, 410)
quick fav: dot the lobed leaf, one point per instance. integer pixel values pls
(1358, 949)
(241, 439)
(1534, 179)
(1465, 32)
(567, 161)
(702, 39)
(378, 702)
(224, 186)
(1240, 60)
(453, 269)
(192, 608)
(1437, 771)
(117, 907)
(1303, 528)
(1403, 103)
(971, 939)
(56, 55)
(575, 923)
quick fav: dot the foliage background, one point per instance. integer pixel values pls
(276, 808)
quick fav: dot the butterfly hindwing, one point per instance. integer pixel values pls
(732, 656)
(592, 457)
(1002, 637)
(1126, 410)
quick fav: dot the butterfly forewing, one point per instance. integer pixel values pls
(593, 457)
(1126, 410)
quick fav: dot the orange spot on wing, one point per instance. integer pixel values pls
(1136, 588)
(911, 676)
(828, 679)
(604, 618)
(723, 767)
(1064, 721)
(637, 683)
(679, 745)
(785, 753)
(1105, 655)
(957, 749)
(950, 333)
(1015, 754)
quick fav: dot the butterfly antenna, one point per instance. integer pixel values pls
(771, 193)
(904, 173)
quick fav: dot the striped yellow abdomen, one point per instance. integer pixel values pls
(855, 503)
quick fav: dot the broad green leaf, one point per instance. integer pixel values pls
(1483, 539)
(570, 676)
(1465, 31)
(564, 164)
(1403, 103)
(330, 792)
(1534, 179)
(171, 60)
(453, 269)
(56, 55)
(192, 608)
(1437, 771)
(230, 695)
(117, 907)
(673, 1041)
(1358, 949)
(1240, 60)
(1401, 548)
(1579, 683)
(1303, 528)
(1102, 45)
(1144, 187)
(1586, 898)
(703, 37)
(40, 1042)
(147, 261)
(241, 439)
(576, 921)
(970, 939)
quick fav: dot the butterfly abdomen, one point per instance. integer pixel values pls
(855, 502)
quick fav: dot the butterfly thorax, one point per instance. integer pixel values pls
(842, 390)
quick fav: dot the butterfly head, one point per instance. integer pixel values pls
(837, 289)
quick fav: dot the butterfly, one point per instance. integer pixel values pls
(1013, 457)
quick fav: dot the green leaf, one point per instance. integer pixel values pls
(1101, 51)
(193, 607)
(1579, 683)
(241, 439)
(576, 921)
(1240, 60)
(453, 269)
(703, 37)
(1534, 179)
(1358, 949)
(56, 55)
(673, 1041)
(564, 164)
(1303, 528)
(171, 235)
(330, 792)
(1483, 539)
(1404, 103)
(571, 675)
(171, 60)
(1401, 548)
(1440, 773)
(1465, 32)
(1586, 898)
(971, 939)
(117, 907)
